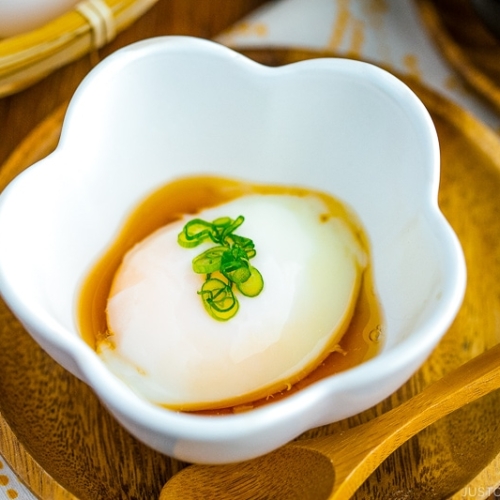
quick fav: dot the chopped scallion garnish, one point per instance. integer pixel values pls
(230, 257)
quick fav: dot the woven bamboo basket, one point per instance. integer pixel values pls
(27, 58)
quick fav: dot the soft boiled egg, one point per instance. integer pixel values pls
(165, 345)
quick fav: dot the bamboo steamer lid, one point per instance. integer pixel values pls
(29, 57)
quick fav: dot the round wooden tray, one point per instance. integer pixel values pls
(466, 43)
(65, 445)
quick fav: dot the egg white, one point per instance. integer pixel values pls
(166, 346)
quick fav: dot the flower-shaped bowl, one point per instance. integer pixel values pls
(176, 106)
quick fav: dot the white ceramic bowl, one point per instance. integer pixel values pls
(175, 106)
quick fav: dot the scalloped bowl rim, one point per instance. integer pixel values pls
(244, 435)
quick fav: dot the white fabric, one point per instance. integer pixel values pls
(10, 486)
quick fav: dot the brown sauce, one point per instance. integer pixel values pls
(188, 196)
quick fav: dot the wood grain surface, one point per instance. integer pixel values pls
(63, 439)
(332, 467)
(467, 44)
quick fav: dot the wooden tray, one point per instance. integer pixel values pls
(65, 445)
(466, 43)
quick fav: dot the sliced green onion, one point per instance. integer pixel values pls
(195, 232)
(218, 299)
(253, 285)
(209, 261)
(234, 265)
(230, 257)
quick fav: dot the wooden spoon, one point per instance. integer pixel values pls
(333, 467)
